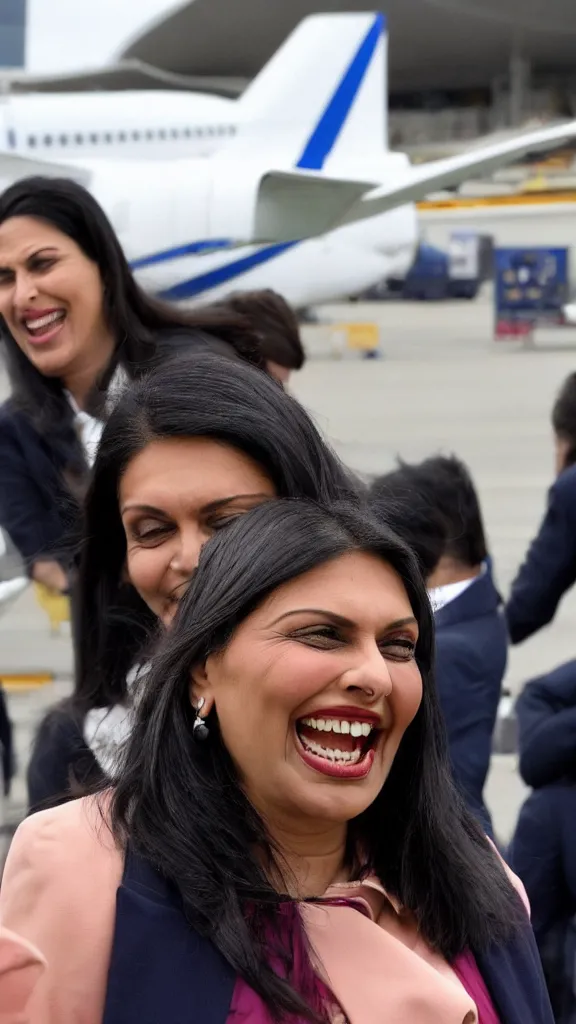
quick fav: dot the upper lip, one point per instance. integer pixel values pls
(35, 314)
(348, 714)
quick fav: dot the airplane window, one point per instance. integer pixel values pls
(63, 140)
(209, 131)
(200, 132)
(78, 139)
(121, 136)
(108, 137)
(94, 138)
(32, 140)
(162, 133)
(187, 133)
(136, 136)
(174, 133)
(149, 135)
(12, 138)
(47, 140)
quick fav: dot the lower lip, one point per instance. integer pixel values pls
(335, 770)
(43, 339)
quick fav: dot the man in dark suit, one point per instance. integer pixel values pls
(549, 568)
(435, 508)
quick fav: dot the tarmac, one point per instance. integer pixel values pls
(442, 384)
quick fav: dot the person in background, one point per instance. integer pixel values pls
(549, 569)
(197, 443)
(284, 841)
(543, 848)
(75, 327)
(277, 327)
(434, 506)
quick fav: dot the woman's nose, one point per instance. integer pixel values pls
(186, 557)
(371, 675)
(25, 290)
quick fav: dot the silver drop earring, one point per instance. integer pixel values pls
(200, 731)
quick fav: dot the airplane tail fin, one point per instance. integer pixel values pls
(321, 101)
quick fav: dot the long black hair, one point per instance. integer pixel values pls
(206, 396)
(183, 808)
(135, 320)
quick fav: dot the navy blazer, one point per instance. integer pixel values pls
(471, 654)
(36, 508)
(546, 713)
(543, 854)
(550, 565)
(164, 972)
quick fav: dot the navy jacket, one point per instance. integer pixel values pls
(543, 854)
(471, 654)
(546, 713)
(62, 764)
(36, 508)
(164, 972)
(549, 569)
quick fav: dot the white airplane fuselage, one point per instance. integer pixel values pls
(160, 125)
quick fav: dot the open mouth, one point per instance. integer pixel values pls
(45, 325)
(338, 746)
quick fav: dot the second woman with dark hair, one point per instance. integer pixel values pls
(187, 449)
(287, 844)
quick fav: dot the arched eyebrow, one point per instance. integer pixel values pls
(340, 620)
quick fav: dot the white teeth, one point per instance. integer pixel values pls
(338, 725)
(342, 756)
(43, 321)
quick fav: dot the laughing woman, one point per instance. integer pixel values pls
(74, 326)
(285, 843)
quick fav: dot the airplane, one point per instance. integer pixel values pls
(132, 124)
(306, 193)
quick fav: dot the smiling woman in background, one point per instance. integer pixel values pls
(75, 327)
(288, 845)
(195, 444)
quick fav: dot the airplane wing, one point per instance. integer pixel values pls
(421, 181)
(13, 167)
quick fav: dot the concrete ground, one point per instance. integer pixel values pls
(443, 384)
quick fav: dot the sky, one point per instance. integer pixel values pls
(70, 35)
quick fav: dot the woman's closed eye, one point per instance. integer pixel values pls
(398, 648)
(322, 636)
(150, 531)
(42, 263)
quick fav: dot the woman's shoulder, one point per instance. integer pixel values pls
(64, 842)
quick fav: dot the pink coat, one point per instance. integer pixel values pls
(59, 893)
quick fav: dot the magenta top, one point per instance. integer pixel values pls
(378, 968)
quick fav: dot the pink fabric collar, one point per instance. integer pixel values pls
(379, 975)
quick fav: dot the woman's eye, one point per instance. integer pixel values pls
(317, 636)
(221, 521)
(398, 648)
(150, 533)
(42, 264)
